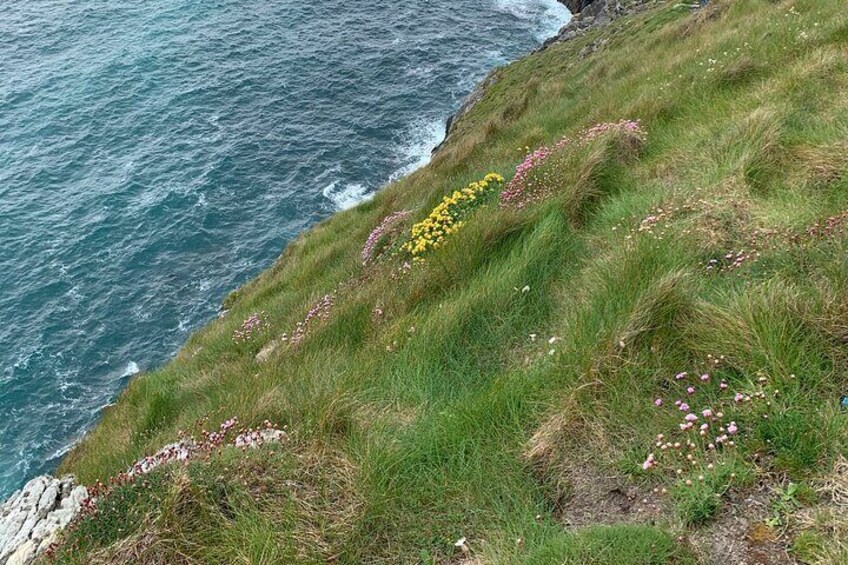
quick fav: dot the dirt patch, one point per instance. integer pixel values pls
(739, 536)
(580, 491)
(598, 498)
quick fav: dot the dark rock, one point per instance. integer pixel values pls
(470, 101)
(576, 6)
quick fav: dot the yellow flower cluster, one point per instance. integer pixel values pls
(446, 218)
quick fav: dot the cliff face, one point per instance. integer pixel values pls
(576, 6)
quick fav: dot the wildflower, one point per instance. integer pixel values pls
(690, 390)
(531, 184)
(705, 377)
(738, 397)
(684, 407)
(707, 413)
(319, 311)
(722, 385)
(691, 417)
(254, 324)
(385, 228)
(680, 376)
(446, 218)
(732, 428)
(658, 402)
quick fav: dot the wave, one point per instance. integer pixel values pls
(130, 370)
(549, 15)
(416, 146)
(347, 196)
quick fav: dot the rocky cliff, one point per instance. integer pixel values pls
(576, 6)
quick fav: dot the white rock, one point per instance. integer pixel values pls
(79, 494)
(23, 555)
(49, 498)
(48, 541)
(32, 518)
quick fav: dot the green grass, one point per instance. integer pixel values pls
(441, 418)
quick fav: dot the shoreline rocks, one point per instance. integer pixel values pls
(31, 519)
(594, 14)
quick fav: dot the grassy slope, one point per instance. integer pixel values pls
(408, 439)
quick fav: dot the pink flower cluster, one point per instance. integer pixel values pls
(254, 324)
(321, 310)
(185, 449)
(523, 188)
(527, 187)
(386, 227)
(596, 131)
(700, 434)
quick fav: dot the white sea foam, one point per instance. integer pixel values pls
(131, 369)
(348, 196)
(417, 145)
(549, 15)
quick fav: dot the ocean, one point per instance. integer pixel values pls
(156, 154)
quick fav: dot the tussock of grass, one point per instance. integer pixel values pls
(503, 391)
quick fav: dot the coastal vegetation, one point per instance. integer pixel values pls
(626, 344)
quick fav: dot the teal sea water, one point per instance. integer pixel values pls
(156, 154)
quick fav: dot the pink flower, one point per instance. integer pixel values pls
(739, 397)
(723, 385)
(705, 427)
(707, 413)
(705, 377)
(680, 376)
(690, 390)
(732, 428)
(684, 407)
(678, 402)
(658, 402)
(691, 417)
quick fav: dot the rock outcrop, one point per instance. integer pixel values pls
(31, 519)
(594, 14)
(576, 6)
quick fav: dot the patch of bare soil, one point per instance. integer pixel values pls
(581, 492)
(599, 498)
(739, 536)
